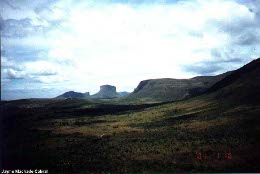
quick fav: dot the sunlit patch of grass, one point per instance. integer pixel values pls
(205, 125)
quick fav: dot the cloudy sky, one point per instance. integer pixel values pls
(52, 46)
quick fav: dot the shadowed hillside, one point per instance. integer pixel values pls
(242, 85)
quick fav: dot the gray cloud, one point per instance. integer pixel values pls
(213, 67)
(224, 55)
(13, 74)
(48, 13)
(11, 4)
(45, 73)
(222, 60)
(42, 77)
(3, 52)
(249, 37)
(203, 68)
(1, 22)
(23, 54)
(38, 71)
(244, 28)
(20, 28)
(196, 34)
(6, 64)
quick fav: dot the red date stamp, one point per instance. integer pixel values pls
(215, 155)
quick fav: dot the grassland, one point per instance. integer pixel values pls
(202, 134)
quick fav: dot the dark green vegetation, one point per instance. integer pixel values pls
(216, 132)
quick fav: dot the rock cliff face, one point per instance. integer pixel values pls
(72, 94)
(106, 92)
(173, 89)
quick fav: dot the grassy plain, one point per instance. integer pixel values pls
(202, 134)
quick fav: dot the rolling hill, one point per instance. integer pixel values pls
(72, 94)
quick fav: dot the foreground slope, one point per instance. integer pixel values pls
(242, 85)
(215, 132)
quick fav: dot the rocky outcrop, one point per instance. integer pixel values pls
(106, 92)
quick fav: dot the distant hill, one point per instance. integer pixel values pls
(167, 89)
(72, 94)
(106, 92)
(124, 93)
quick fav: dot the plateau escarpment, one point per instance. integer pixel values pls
(167, 89)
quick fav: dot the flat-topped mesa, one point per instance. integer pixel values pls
(106, 92)
(106, 88)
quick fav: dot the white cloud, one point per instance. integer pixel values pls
(5, 63)
(51, 14)
(50, 79)
(41, 68)
(61, 54)
(41, 71)
(122, 44)
(13, 74)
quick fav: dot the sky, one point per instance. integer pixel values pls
(49, 47)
